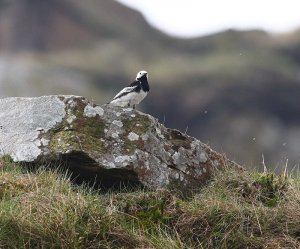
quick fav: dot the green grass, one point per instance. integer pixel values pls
(238, 209)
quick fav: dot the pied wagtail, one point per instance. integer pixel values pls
(134, 93)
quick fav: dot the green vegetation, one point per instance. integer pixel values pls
(75, 138)
(238, 209)
(138, 125)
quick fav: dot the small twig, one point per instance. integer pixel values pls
(164, 119)
(285, 173)
(79, 141)
(256, 216)
(186, 129)
(263, 163)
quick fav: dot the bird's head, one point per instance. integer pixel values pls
(141, 74)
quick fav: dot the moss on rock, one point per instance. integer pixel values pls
(81, 134)
(138, 125)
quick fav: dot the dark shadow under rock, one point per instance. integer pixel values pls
(84, 170)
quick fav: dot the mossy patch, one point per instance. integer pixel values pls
(83, 133)
(139, 125)
(177, 139)
(90, 132)
(91, 126)
(62, 141)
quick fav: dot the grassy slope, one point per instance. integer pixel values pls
(239, 209)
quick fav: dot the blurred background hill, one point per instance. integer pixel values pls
(238, 91)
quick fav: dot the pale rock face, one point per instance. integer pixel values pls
(133, 137)
(112, 144)
(117, 123)
(23, 120)
(90, 111)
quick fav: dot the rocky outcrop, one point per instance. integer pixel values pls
(112, 145)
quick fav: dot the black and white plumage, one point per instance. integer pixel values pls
(134, 93)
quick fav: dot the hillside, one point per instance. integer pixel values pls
(55, 25)
(237, 90)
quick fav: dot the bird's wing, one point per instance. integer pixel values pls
(135, 83)
(131, 88)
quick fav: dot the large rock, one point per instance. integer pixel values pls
(110, 144)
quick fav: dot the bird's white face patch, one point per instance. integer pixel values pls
(141, 73)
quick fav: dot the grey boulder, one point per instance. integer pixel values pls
(111, 145)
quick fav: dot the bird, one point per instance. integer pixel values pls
(134, 93)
